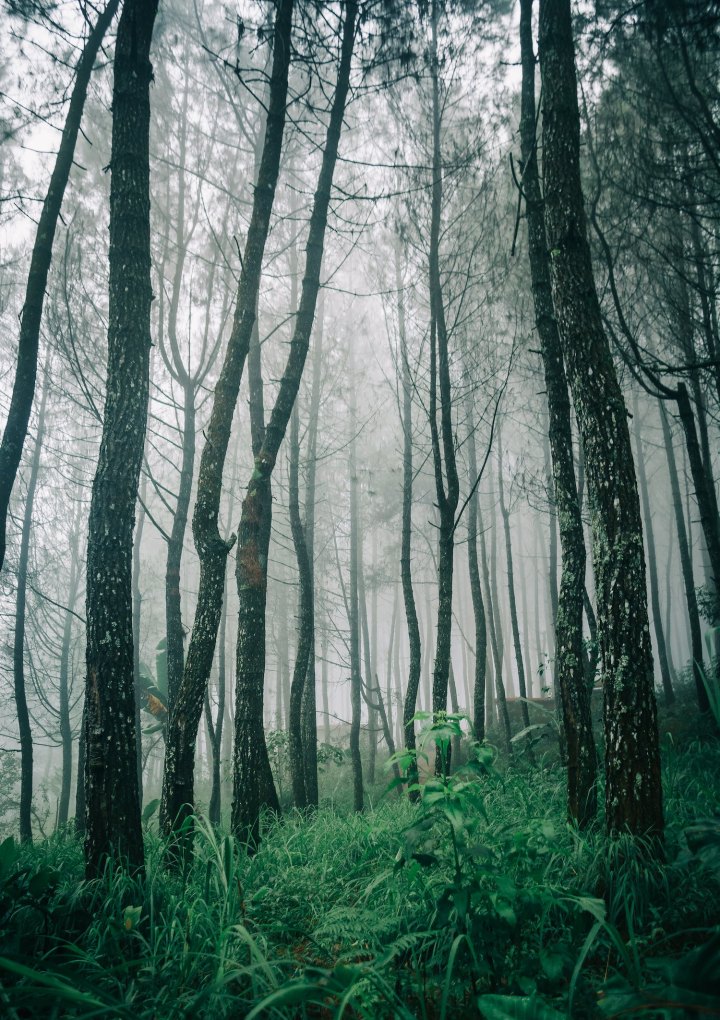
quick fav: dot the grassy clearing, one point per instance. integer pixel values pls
(479, 902)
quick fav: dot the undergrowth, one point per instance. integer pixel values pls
(480, 901)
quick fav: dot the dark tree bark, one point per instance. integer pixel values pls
(476, 587)
(252, 780)
(354, 625)
(23, 392)
(495, 645)
(686, 565)
(652, 564)
(136, 626)
(633, 797)
(305, 629)
(567, 604)
(447, 486)
(113, 802)
(212, 549)
(309, 708)
(370, 694)
(411, 618)
(66, 737)
(505, 514)
(21, 705)
(216, 728)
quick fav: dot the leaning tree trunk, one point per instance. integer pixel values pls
(633, 793)
(251, 765)
(652, 564)
(212, 549)
(113, 802)
(495, 643)
(411, 618)
(567, 603)
(686, 566)
(21, 705)
(23, 392)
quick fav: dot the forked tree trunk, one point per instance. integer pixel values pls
(633, 792)
(23, 392)
(252, 780)
(212, 549)
(113, 798)
(567, 604)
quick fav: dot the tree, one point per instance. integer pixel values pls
(16, 425)
(569, 663)
(213, 550)
(633, 797)
(251, 770)
(112, 797)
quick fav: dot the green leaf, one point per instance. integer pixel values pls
(149, 810)
(516, 1007)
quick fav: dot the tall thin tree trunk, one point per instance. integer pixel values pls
(16, 425)
(411, 617)
(113, 799)
(685, 564)
(475, 586)
(64, 679)
(652, 563)
(354, 624)
(505, 514)
(21, 705)
(305, 628)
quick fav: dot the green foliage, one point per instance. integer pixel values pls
(480, 901)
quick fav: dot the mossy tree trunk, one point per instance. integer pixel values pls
(633, 797)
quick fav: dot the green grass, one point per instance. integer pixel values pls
(481, 902)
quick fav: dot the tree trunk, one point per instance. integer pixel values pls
(136, 621)
(212, 549)
(633, 795)
(113, 801)
(495, 645)
(64, 680)
(251, 766)
(305, 628)
(567, 604)
(652, 563)
(505, 514)
(309, 706)
(475, 587)
(23, 392)
(23, 714)
(686, 565)
(354, 625)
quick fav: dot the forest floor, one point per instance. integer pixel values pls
(479, 901)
